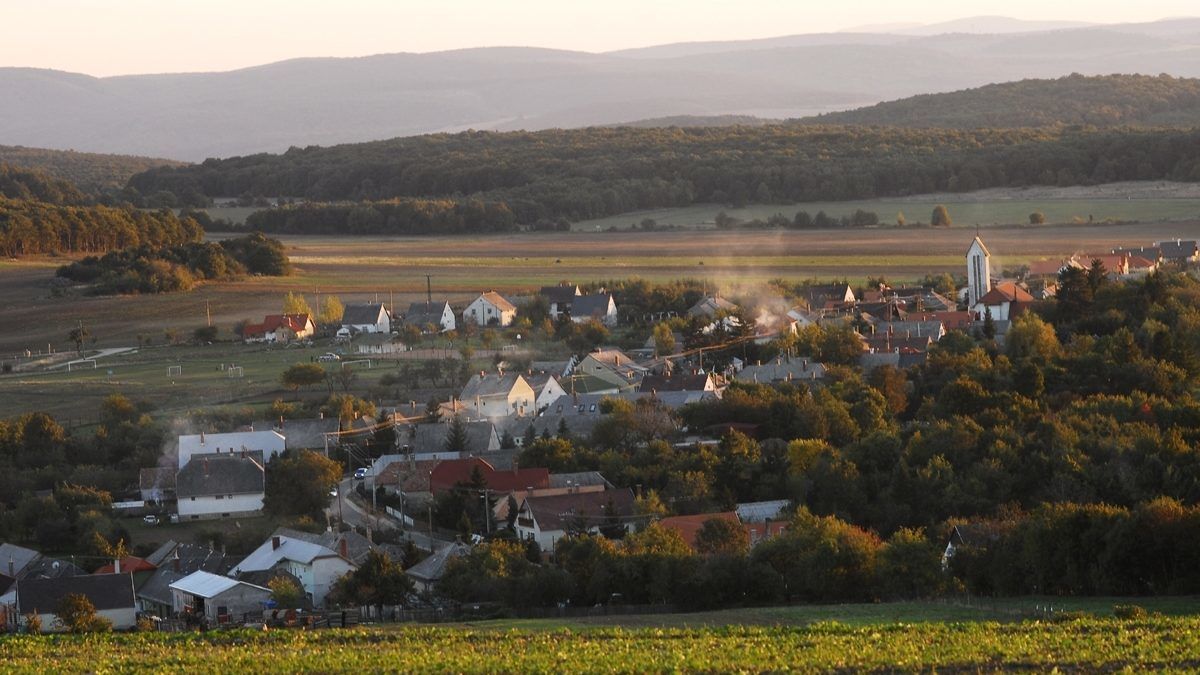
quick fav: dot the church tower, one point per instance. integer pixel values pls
(979, 272)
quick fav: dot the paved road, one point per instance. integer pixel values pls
(358, 516)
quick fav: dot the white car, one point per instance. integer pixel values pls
(327, 357)
(150, 520)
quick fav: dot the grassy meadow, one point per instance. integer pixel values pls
(966, 210)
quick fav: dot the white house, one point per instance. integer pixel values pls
(221, 486)
(549, 518)
(368, 318)
(377, 344)
(111, 594)
(269, 443)
(425, 314)
(497, 395)
(599, 306)
(1004, 302)
(546, 389)
(316, 566)
(280, 328)
(490, 309)
(218, 599)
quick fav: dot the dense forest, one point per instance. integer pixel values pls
(35, 227)
(588, 173)
(33, 185)
(91, 172)
(146, 269)
(394, 216)
(1098, 101)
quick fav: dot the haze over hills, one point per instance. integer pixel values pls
(90, 172)
(328, 101)
(1113, 100)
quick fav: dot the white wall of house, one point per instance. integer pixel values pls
(484, 313)
(123, 618)
(217, 506)
(551, 392)
(318, 576)
(999, 311)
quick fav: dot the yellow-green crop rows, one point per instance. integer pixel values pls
(1155, 644)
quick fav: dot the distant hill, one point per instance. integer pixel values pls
(1104, 101)
(90, 172)
(697, 121)
(478, 181)
(327, 101)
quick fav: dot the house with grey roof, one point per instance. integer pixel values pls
(175, 561)
(431, 570)
(598, 306)
(1184, 251)
(365, 318)
(560, 298)
(111, 594)
(710, 306)
(782, 369)
(217, 599)
(317, 567)
(25, 563)
(494, 395)
(433, 316)
(546, 388)
(428, 439)
(223, 485)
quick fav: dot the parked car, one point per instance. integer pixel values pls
(150, 519)
(360, 474)
(329, 356)
(333, 491)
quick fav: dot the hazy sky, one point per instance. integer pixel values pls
(107, 37)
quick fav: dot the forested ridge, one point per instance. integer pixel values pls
(91, 172)
(1100, 101)
(595, 172)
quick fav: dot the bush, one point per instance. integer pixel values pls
(1130, 612)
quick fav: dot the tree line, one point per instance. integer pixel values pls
(588, 173)
(39, 228)
(394, 216)
(146, 269)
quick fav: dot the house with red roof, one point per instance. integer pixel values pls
(1005, 301)
(450, 472)
(280, 328)
(689, 526)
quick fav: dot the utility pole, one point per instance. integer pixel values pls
(429, 290)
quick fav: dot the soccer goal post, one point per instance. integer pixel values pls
(234, 371)
(83, 363)
(174, 370)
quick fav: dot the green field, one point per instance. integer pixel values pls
(1079, 645)
(983, 212)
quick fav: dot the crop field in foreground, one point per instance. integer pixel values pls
(1080, 645)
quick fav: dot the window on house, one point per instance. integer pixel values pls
(220, 496)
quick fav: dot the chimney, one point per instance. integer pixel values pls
(275, 543)
(116, 565)
(206, 468)
(175, 560)
(11, 567)
(201, 438)
(343, 548)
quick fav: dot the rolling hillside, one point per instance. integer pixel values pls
(90, 172)
(325, 101)
(1104, 101)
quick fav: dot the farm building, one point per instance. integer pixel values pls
(216, 599)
